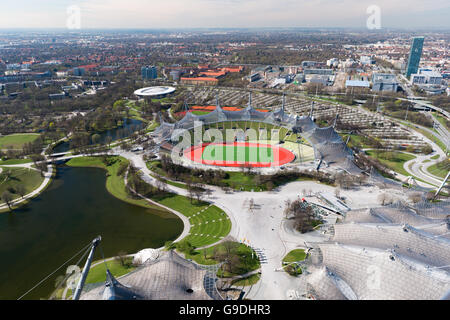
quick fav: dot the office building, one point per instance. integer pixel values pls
(426, 76)
(414, 56)
(149, 72)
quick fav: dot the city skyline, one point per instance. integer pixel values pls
(116, 14)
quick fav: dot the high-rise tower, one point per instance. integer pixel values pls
(414, 56)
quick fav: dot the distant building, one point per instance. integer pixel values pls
(175, 75)
(367, 60)
(426, 76)
(233, 69)
(149, 72)
(384, 82)
(58, 96)
(310, 64)
(321, 79)
(79, 72)
(333, 62)
(319, 71)
(200, 81)
(357, 84)
(414, 56)
(255, 77)
(299, 78)
(213, 74)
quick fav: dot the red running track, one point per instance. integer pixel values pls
(281, 155)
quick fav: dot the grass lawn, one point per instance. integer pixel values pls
(209, 224)
(98, 273)
(238, 153)
(200, 113)
(428, 135)
(295, 255)
(440, 169)
(114, 184)
(441, 119)
(11, 178)
(17, 141)
(249, 281)
(152, 126)
(14, 161)
(435, 157)
(392, 159)
(247, 259)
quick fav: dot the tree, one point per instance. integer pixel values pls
(122, 258)
(7, 197)
(108, 141)
(96, 138)
(198, 193)
(20, 189)
(302, 214)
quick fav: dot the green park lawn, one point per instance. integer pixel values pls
(98, 273)
(435, 157)
(248, 260)
(209, 224)
(11, 178)
(440, 169)
(295, 255)
(14, 161)
(392, 159)
(248, 281)
(17, 141)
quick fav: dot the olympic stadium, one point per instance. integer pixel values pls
(258, 139)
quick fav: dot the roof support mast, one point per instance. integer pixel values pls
(86, 268)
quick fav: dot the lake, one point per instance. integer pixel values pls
(37, 238)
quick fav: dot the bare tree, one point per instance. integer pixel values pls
(122, 258)
(20, 189)
(7, 197)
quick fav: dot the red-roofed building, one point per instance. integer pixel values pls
(233, 69)
(213, 74)
(200, 80)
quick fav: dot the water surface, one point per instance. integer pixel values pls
(39, 237)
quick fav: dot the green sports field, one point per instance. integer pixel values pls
(238, 153)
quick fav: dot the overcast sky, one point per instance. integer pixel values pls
(223, 13)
